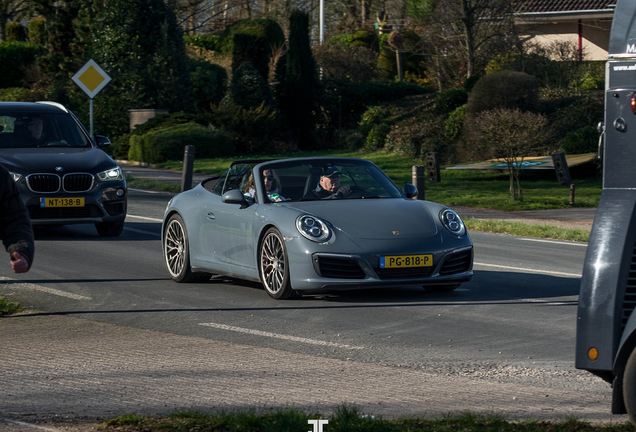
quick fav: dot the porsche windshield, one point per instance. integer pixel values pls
(304, 180)
(30, 130)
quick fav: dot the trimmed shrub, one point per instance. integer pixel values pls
(448, 100)
(470, 82)
(342, 40)
(168, 144)
(584, 140)
(209, 83)
(414, 63)
(120, 148)
(16, 32)
(249, 88)
(455, 123)
(36, 31)
(374, 115)
(208, 42)
(251, 49)
(366, 38)
(15, 57)
(505, 89)
(377, 136)
(250, 128)
(267, 28)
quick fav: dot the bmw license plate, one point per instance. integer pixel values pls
(62, 202)
(403, 261)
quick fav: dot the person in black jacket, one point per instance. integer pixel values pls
(15, 226)
(329, 186)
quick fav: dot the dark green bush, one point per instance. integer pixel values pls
(343, 40)
(16, 32)
(417, 135)
(208, 42)
(344, 101)
(36, 31)
(374, 115)
(455, 123)
(470, 82)
(168, 144)
(567, 114)
(413, 62)
(121, 146)
(356, 63)
(367, 38)
(584, 140)
(250, 128)
(448, 100)
(505, 89)
(377, 136)
(15, 58)
(209, 83)
(249, 88)
(259, 27)
(20, 94)
(252, 49)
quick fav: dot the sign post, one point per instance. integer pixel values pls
(91, 79)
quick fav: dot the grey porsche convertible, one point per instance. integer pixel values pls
(314, 224)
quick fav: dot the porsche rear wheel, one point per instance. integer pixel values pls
(441, 288)
(274, 266)
(176, 251)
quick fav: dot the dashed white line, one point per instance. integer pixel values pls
(17, 284)
(144, 218)
(50, 429)
(527, 270)
(279, 336)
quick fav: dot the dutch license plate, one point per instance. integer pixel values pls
(61, 202)
(402, 261)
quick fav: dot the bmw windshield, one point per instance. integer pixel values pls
(31, 130)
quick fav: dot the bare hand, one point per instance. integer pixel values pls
(19, 264)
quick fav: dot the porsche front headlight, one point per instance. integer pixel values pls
(111, 174)
(313, 228)
(452, 222)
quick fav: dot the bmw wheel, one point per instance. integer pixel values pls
(177, 253)
(274, 266)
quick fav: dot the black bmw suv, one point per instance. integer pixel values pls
(63, 175)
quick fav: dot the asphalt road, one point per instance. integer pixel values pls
(514, 322)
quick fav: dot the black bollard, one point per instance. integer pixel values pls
(188, 164)
(419, 179)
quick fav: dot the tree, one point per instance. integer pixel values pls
(11, 10)
(511, 135)
(298, 88)
(139, 44)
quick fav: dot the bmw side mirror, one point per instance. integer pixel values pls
(101, 141)
(409, 190)
(235, 196)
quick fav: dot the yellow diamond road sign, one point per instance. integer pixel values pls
(91, 78)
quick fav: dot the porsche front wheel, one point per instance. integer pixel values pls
(274, 266)
(177, 254)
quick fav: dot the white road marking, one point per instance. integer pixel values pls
(555, 242)
(50, 429)
(146, 191)
(142, 231)
(44, 289)
(279, 336)
(144, 218)
(527, 270)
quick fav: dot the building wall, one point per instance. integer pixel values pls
(596, 34)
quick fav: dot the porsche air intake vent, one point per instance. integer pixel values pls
(342, 268)
(456, 263)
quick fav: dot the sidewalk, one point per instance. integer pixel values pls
(574, 218)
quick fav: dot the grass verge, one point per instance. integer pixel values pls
(527, 230)
(158, 185)
(346, 419)
(7, 307)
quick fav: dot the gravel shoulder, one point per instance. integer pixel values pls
(65, 371)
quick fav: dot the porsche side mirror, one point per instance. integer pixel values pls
(235, 196)
(409, 190)
(101, 141)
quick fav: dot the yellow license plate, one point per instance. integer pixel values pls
(61, 202)
(403, 261)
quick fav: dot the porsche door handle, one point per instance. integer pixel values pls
(211, 216)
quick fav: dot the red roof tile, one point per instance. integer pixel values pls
(526, 6)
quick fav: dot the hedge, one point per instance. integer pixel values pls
(15, 57)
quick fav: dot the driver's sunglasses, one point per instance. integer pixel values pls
(270, 178)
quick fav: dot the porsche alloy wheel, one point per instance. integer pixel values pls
(274, 266)
(177, 254)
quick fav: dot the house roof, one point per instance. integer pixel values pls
(539, 6)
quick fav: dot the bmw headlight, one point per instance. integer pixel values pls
(313, 228)
(111, 174)
(16, 177)
(452, 222)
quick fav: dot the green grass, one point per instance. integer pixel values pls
(141, 183)
(346, 419)
(480, 189)
(527, 230)
(7, 307)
